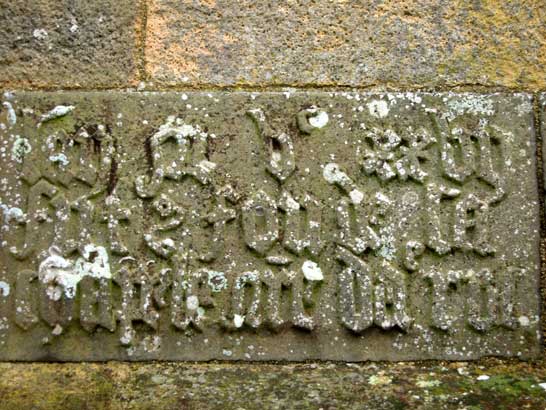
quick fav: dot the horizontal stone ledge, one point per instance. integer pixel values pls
(268, 226)
(505, 385)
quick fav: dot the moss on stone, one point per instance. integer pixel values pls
(119, 385)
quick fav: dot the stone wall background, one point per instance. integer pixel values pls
(372, 45)
(189, 44)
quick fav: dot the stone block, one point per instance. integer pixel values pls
(268, 226)
(68, 44)
(410, 43)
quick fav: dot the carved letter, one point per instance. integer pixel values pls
(260, 210)
(355, 299)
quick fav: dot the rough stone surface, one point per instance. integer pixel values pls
(268, 226)
(406, 43)
(68, 44)
(485, 385)
(401, 45)
(542, 125)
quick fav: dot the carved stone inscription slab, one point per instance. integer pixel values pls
(267, 226)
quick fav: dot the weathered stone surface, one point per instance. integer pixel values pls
(542, 118)
(334, 43)
(267, 226)
(483, 385)
(68, 43)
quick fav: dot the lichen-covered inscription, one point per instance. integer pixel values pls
(267, 226)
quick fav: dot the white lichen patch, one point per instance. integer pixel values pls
(62, 275)
(60, 158)
(311, 270)
(479, 105)
(247, 277)
(289, 202)
(149, 344)
(334, 175)
(387, 250)
(379, 380)
(12, 214)
(179, 129)
(57, 273)
(74, 26)
(217, 280)
(57, 112)
(356, 196)
(39, 34)
(378, 108)
(207, 166)
(525, 107)
(319, 118)
(276, 159)
(4, 288)
(427, 384)
(11, 116)
(94, 262)
(258, 114)
(462, 371)
(238, 320)
(278, 260)
(21, 147)
(192, 302)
